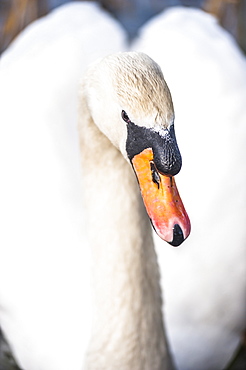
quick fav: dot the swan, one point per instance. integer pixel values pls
(206, 73)
(52, 236)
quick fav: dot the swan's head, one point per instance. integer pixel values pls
(131, 104)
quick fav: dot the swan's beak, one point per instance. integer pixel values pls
(161, 198)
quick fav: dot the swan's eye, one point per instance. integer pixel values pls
(155, 175)
(125, 116)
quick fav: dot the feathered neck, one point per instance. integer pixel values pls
(128, 327)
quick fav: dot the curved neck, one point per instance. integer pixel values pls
(127, 328)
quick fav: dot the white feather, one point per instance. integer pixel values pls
(204, 281)
(43, 267)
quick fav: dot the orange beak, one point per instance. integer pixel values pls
(162, 200)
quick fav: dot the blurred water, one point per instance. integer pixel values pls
(134, 13)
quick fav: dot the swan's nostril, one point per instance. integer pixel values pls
(178, 236)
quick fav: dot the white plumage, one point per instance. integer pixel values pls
(43, 268)
(204, 281)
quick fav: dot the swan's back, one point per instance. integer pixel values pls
(41, 216)
(204, 281)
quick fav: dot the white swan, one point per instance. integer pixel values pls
(204, 283)
(45, 305)
(202, 333)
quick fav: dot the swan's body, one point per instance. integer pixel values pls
(42, 310)
(46, 237)
(204, 283)
(43, 267)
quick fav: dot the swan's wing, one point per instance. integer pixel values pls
(44, 309)
(204, 280)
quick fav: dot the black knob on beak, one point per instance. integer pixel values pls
(178, 236)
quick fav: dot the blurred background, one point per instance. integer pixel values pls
(15, 15)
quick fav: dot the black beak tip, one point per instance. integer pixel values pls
(178, 236)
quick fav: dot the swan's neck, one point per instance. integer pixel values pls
(128, 327)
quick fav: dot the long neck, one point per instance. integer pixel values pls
(128, 327)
